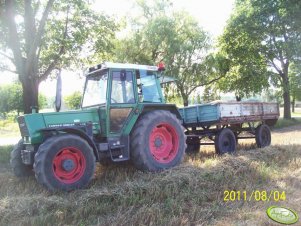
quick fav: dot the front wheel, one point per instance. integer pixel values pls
(19, 168)
(64, 162)
(158, 141)
(225, 142)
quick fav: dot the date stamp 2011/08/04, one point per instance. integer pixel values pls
(255, 195)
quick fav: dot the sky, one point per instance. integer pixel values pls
(212, 15)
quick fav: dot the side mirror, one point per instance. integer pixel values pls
(58, 96)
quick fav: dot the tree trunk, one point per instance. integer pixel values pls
(293, 102)
(286, 97)
(185, 100)
(30, 94)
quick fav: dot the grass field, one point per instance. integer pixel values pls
(190, 194)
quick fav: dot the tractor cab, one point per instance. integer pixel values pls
(120, 91)
(115, 84)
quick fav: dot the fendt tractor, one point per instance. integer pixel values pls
(124, 117)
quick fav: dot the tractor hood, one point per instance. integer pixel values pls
(31, 125)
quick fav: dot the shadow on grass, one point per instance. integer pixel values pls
(5, 153)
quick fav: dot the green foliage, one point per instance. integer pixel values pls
(42, 101)
(73, 101)
(261, 39)
(210, 94)
(37, 37)
(295, 81)
(11, 98)
(162, 34)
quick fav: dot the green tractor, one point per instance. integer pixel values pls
(123, 117)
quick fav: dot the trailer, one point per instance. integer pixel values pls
(223, 123)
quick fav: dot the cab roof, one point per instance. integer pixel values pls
(107, 65)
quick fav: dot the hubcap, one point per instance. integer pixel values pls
(69, 165)
(164, 142)
(158, 142)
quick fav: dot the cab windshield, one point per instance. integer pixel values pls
(95, 90)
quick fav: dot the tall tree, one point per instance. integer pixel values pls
(262, 38)
(175, 37)
(40, 36)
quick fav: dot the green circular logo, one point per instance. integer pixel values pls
(282, 215)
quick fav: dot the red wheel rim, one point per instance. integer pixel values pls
(69, 165)
(164, 142)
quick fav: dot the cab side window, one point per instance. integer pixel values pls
(122, 87)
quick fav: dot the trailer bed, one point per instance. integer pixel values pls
(225, 113)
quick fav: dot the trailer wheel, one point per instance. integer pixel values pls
(157, 141)
(263, 136)
(193, 145)
(64, 162)
(225, 142)
(19, 168)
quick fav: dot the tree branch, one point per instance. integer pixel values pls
(14, 41)
(7, 56)
(29, 21)
(2, 68)
(54, 63)
(206, 83)
(275, 66)
(38, 37)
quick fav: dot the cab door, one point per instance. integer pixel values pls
(122, 99)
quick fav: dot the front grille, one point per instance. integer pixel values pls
(22, 126)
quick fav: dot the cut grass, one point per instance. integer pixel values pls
(190, 194)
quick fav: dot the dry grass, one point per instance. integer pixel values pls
(190, 194)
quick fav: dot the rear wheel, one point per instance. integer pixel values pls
(64, 162)
(19, 168)
(157, 141)
(225, 142)
(263, 136)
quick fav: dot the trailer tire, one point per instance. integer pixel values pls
(193, 145)
(64, 162)
(225, 142)
(193, 148)
(158, 141)
(18, 167)
(263, 136)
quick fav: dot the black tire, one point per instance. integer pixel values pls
(18, 167)
(193, 148)
(193, 145)
(225, 142)
(263, 136)
(64, 162)
(148, 141)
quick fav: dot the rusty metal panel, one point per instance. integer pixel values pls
(251, 109)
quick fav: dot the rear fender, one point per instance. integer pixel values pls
(167, 107)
